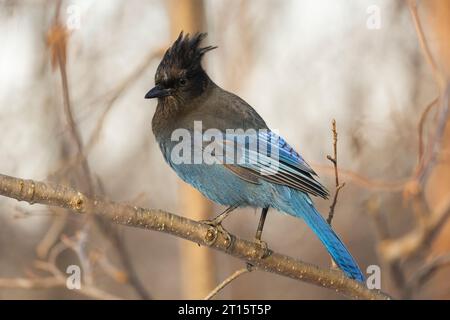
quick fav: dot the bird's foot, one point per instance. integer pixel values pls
(264, 251)
(216, 224)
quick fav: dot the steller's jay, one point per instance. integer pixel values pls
(186, 96)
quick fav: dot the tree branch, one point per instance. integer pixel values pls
(203, 234)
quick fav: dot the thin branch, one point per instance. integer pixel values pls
(110, 98)
(154, 219)
(29, 283)
(436, 141)
(381, 227)
(118, 91)
(363, 181)
(379, 220)
(382, 185)
(100, 259)
(421, 125)
(227, 281)
(57, 39)
(55, 279)
(334, 160)
(51, 236)
(423, 43)
(409, 244)
(425, 273)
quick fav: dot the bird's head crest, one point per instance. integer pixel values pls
(185, 54)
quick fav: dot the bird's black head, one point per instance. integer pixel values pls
(180, 76)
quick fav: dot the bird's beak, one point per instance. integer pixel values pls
(157, 92)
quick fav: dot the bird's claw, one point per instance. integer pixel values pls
(213, 222)
(265, 251)
(218, 228)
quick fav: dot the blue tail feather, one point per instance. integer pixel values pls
(301, 206)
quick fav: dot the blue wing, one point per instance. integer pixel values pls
(269, 157)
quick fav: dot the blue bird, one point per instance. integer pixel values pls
(233, 167)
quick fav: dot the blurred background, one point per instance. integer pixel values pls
(73, 75)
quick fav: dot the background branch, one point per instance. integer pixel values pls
(412, 5)
(57, 39)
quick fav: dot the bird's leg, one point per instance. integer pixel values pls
(259, 231)
(262, 219)
(217, 222)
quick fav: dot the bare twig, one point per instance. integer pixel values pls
(118, 91)
(109, 98)
(379, 220)
(436, 140)
(423, 43)
(227, 281)
(57, 39)
(153, 219)
(100, 259)
(334, 160)
(421, 125)
(394, 267)
(425, 273)
(409, 244)
(29, 283)
(52, 234)
(362, 181)
(56, 278)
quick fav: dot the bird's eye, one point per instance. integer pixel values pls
(182, 81)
